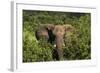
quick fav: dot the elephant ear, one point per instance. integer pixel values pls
(68, 28)
(50, 26)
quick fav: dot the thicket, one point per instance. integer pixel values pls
(77, 45)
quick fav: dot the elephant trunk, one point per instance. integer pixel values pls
(59, 44)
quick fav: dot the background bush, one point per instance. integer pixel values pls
(77, 45)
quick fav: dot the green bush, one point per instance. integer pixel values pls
(77, 45)
(34, 50)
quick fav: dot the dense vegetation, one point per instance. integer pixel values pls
(77, 46)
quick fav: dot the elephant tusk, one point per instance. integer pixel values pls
(54, 45)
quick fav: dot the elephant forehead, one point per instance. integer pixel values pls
(59, 28)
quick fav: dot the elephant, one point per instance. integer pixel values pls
(55, 33)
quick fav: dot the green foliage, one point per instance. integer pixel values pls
(34, 50)
(77, 44)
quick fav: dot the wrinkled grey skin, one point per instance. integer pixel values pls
(55, 33)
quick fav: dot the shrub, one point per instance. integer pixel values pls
(77, 45)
